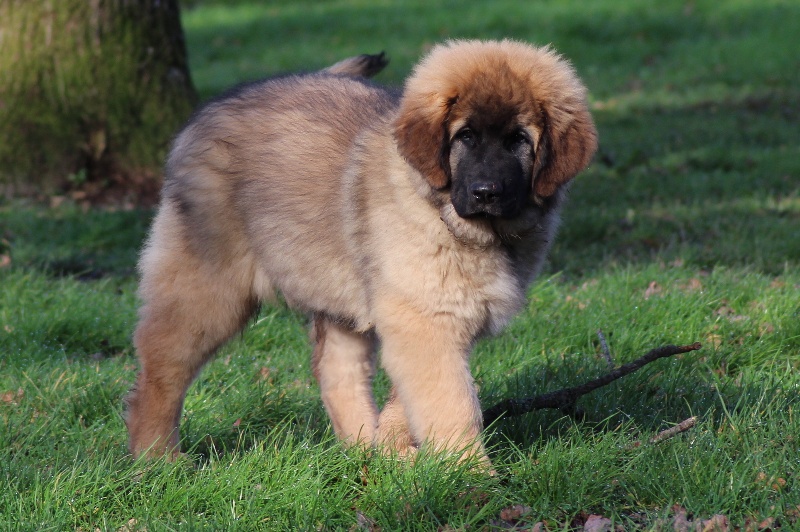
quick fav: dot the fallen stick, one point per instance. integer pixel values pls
(566, 398)
(604, 349)
(666, 434)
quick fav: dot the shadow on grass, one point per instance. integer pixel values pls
(70, 242)
(613, 45)
(265, 413)
(657, 397)
(711, 184)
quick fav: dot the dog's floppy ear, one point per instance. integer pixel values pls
(421, 134)
(566, 147)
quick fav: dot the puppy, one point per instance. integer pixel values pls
(412, 222)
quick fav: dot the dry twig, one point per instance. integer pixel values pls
(604, 347)
(666, 434)
(566, 398)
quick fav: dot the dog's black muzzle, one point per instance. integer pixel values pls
(502, 195)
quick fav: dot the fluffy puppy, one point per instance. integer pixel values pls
(410, 222)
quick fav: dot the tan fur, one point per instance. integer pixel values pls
(343, 365)
(334, 194)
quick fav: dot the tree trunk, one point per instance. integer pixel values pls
(91, 91)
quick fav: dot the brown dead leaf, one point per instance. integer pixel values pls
(718, 523)
(653, 289)
(56, 201)
(765, 328)
(580, 304)
(598, 523)
(579, 520)
(265, 372)
(5, 260)
(765, 524)
(750, 525)
(513, 513)
(777, 283)
(681, 522)
(729, 314)
(724, 310)
(692, 285)
(302, 384)
(132, 526)
(776, 483)
(12, 398)
(714, 340)
(364, 523)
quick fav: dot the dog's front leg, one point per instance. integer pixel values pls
(426, 358)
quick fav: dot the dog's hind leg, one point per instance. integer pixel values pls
(343, 363)
(191, 307)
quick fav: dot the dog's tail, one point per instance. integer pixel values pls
(361, 66)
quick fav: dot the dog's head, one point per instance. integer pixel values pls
(498, 125)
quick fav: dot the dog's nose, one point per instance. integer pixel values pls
(485, 192)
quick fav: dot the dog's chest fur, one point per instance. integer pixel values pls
(417, 257)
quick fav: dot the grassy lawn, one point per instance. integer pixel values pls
(685, 228)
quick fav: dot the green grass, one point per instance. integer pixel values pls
(696, 188)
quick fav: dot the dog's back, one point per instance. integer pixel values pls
(261, 169)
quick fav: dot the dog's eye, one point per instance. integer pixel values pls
(467, 136)
(516, 138)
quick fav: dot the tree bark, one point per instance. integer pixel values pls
(91, 91)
